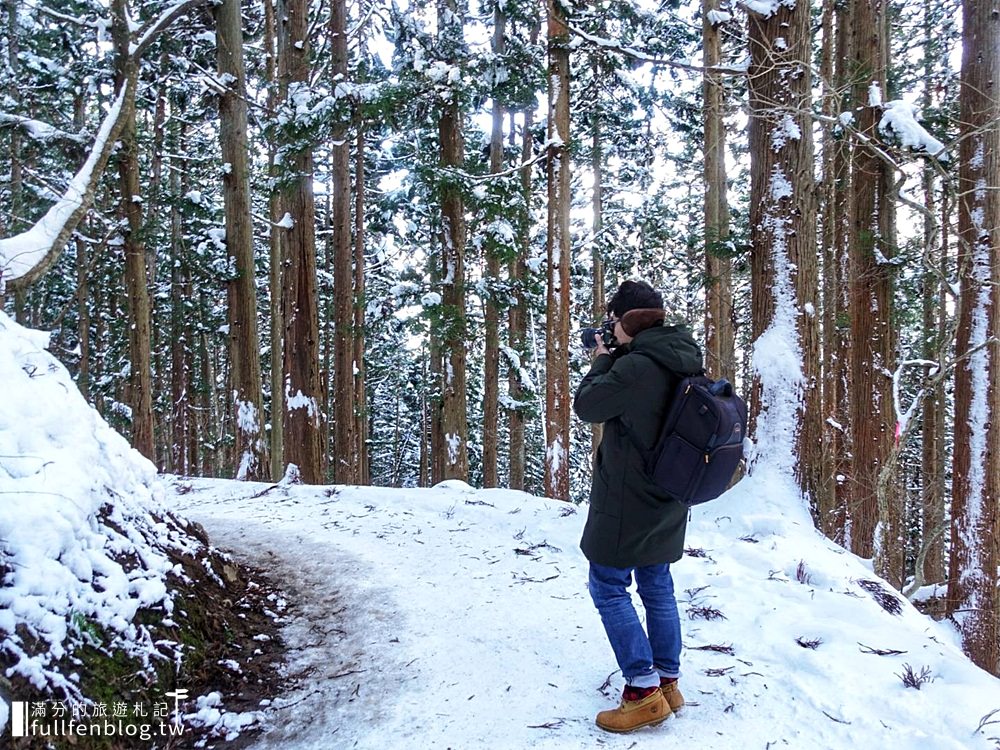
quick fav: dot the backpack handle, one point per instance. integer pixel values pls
(721, 387)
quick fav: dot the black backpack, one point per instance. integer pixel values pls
(701, 441)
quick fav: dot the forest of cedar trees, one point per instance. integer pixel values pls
(355, 242)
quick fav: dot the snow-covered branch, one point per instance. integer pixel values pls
(639, 55)
(40, 131)
(75, 20)
(25, 257)
(149, 33)
(543, 152)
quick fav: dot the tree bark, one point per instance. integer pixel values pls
(783, 238)
(719, 335)
(346, 449)
(454, 420)
(244, 342)
(276, 252)
(975, 541)
(136, 286)
(557, 395)
(872, 336)
(303, 422)
(491, 366)
(360, 379)
(517, 320)
(598, 303)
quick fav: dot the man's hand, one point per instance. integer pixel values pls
(600, 348)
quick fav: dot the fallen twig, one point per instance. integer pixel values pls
(834, 718)
(986, 720)
(880, 651)
(548, 725)
(719, 671)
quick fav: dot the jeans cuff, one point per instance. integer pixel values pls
(668, 674)
(651, 679)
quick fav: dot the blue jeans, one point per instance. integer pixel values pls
(643, 658)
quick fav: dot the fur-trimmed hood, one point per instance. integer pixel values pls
(671, 347)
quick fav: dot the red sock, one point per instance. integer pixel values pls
(637, 693)
(664, 681)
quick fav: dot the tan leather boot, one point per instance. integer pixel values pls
(673, 695)
(646, 712)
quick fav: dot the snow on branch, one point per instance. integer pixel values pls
(636, 54)
(40, 131)
(25, 257)
(900, 119)
(766, 8)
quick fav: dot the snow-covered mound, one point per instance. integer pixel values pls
(451, 617)
(83, 534)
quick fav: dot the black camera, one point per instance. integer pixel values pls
(606, 332)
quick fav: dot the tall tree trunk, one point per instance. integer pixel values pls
(597, 307)
(427, 424)
(454, 420)
(303, 428)
(15, 218)
(136, 286)
(872, 336)
(435, 357)
(517, 319)
(491, 367)
(932, 438)
(182, 452)
(207, 425)
(825, 499)
(557, 318)
(244, 343)
(82, 279)
(975, 547)
(719, 336)
(360, 384)
(836, 498)
(276, 251)
(346, 449)
(932, 458)
(782, 236)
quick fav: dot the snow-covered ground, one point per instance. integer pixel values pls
(83, 538)
(457, 618)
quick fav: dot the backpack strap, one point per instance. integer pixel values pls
(681, 376)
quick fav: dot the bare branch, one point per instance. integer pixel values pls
(152, 30)
(641, 56)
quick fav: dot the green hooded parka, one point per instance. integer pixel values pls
(632, 522)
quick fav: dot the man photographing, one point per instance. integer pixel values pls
(633, 526)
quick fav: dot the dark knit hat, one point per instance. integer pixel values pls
(634, 295)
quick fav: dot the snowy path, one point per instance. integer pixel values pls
(455, 618)
(336, 629)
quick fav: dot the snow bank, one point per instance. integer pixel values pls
(82, 532)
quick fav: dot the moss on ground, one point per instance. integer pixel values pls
(211, 642)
